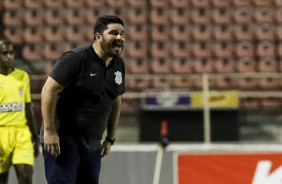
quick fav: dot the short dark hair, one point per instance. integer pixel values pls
(103, 21)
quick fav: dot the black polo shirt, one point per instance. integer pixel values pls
(83, 107)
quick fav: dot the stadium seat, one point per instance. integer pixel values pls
(159, 3)
(247, 83)
(137, 15)
(267, 64)
(278, 14)
(201, 15)
(53, 3)
(222, 32)
(249, 104)
(263, 2)
(223, 49)
(200, 3)
(201, 32)
(181, 82)
(268, 83)
(33, 4)
(136, 49)
(271, 103)
(245, 49)
(53, 17)
(33, 34)
(137, 32)
(161, 82)
(159, 49)
(12, 4)
(179, 3)
(277, 3)
(12, 17)
(33, 17)
(116, 3)
(74, 16)
(54, 33)
(94, 3)
(243, 32)
(74, 34)
(52, 51)
(137, 84)
(159, 32)
(73, 3)
(88, 31)
(279, 49)
(265, 48)
(91, 15)
(222, 82)
(245, 65)
(201, 49)
(32, 52)
(180, 33)
(137, 65)
(243, 15)
(118, 11)
(221, 3)
(179, 16)
(180, 49)
(13, 34)
(181, 65)
(264, 15)
(264, 32)
(159, 16)
(137, 3)
(278, 32)
(224, 65)
(221, 15)
(241, 3)
(202, 65)
(160, 65)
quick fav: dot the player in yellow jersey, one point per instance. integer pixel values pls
(18, 137)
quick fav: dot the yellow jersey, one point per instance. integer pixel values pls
(14, 93)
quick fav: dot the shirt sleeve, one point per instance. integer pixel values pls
(67, 68)
(26, 83)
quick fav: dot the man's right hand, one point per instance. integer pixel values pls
(51, 143)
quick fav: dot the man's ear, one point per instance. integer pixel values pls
(97, 36)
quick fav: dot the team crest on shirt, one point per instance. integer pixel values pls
(21, 93)
(118, 77)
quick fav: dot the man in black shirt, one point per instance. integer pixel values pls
(80, 100)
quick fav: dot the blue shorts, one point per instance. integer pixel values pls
(72, 166)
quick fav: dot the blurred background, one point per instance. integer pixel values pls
(211, 69)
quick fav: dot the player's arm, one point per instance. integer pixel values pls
(112, 125)
(49, 94)
(32, 127)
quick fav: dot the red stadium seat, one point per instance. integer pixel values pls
(243, 32)
(278, 32)
(201, 49)
(94, 3)
(116, 3)
(243, 15)
(137, 32)
(223, 49)
(264, 15)
(137, 65)
(245, 65)
(180, 49)
(74, 3)
(74, 16)
(267, 64)
(222, 83)
(224, 65)
(222, 32)
(268, 83)
(12, 4)
(137, 15)
(245, 49)
(247, 83)
(159, 49)
(159, 16)
(265, 49)
(91, 15)
(159, 32)
(278, 14)
(221, 15)
(137, 3)
(264, 32)
(160, 65)
(54, 34)
(137, 85)
(263, 2)
(53, 17)
(249, 103)
(12, 17)
(118, 11)
(203, 65)
(53, 3)
(201, 15)
(271, 103)
(13, 34)
(159, 3)
(161, 82)
(33, 4)
(52, 51)
(33, 34)
(200, 3)
(221, 3)
(201, 32)
(180, 33)
(181, 82)
(179, 3)
(179, 16)
(277, 3)
(74, 34)
(136, 49)
(181, 65)
(33, 17)
(241, 3)
(32, 52)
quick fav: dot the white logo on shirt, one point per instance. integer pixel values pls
(93, 74)
(118, 78)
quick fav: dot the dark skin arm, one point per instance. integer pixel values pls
(32, 127)
(112, 125)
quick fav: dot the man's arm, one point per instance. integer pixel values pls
(112, 125)
(49, 94)
(32, 127)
